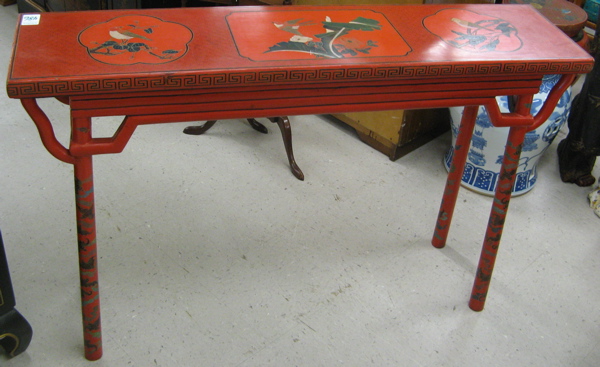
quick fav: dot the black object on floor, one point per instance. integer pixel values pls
(15, 331)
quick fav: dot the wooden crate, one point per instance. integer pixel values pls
(397, 133)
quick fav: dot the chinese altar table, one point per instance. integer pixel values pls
(161, 66)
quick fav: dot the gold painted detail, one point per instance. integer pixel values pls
(16, 339)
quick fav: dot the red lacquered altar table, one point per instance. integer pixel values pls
(160, 66)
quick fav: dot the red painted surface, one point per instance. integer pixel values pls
(472, 31)
(457, 166)
(136, 39)
(309, 35)
(212, 59)
(172, 65)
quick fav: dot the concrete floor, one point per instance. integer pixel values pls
(213, 254)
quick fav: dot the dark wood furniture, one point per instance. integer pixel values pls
(15, 331)
(284, 127)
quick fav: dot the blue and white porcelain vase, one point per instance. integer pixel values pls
(487, 144)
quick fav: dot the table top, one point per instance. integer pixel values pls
(123, 51)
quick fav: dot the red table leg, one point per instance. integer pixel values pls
(461, 149)
(86, 239)
(86, 221)
(491, 242)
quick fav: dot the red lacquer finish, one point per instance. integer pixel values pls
(498, 213)
(174, 65)
(127, 51)
(457, 166)
(136, 39)
(86, 241)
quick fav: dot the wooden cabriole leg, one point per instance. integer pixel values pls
(461, 149)
(258, 126)
(286, 133)
(199, 130)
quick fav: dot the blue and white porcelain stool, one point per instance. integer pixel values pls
(487, 145)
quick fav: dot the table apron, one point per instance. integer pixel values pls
(288, 102)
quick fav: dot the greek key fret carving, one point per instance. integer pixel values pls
(293, 76)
